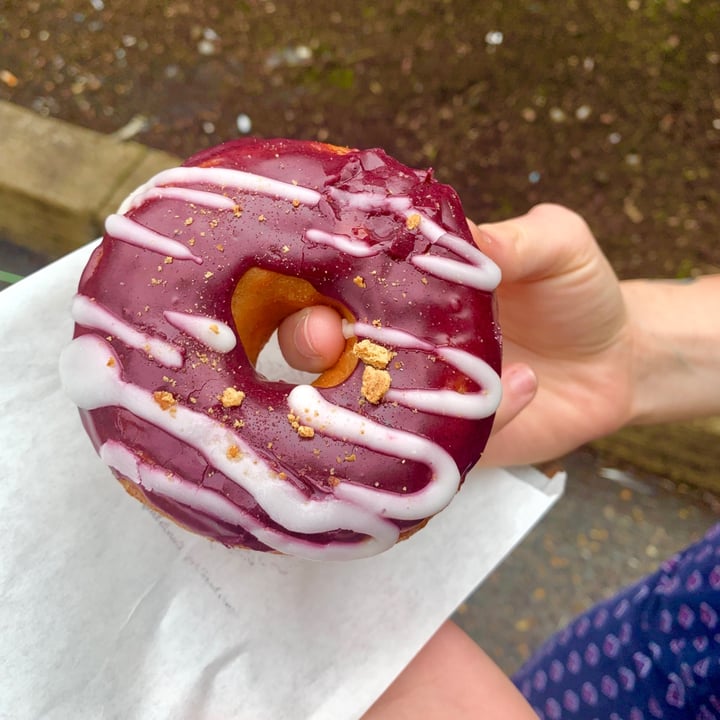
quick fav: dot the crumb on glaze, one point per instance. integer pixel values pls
(303, 431)
(413, 221)
(232, 397)
(375, 383)
(373, 354)
(233, 453)
(166, 400)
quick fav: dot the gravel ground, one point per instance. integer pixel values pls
(612, 108)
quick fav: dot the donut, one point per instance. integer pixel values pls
(193, 276)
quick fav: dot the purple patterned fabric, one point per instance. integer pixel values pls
(651, 651)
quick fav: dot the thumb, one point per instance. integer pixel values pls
(547, 241)
(311, 339)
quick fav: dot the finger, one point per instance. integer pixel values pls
(312, 339)
(546, 241)
(519, 384)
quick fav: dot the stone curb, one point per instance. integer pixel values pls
(58, 182)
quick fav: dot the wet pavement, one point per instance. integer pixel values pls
(611, 108)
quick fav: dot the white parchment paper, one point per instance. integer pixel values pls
(107, 611)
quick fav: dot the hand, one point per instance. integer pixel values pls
(565, 334)
(562, 313)
(312, 340)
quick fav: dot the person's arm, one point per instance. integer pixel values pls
(606, 354)
(676, 348)
(451, 678)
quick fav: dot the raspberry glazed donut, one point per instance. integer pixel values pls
(196, 271)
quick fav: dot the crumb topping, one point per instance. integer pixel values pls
(304, 431)
(110, 362)
(232, 397)
(373, 354)
(166, 400)
(214, 329)
(413, 221)
(359, 281)
(233, 453)
(375, 383)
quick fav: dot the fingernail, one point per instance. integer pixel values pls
(502, 232)
(303, 336)
(521, 380)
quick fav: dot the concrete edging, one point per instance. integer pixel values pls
(58, 182)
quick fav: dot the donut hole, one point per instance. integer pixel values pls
(262, 299)
(271, 364)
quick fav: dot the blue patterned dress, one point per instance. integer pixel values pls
(651, 651)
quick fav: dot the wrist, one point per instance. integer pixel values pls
(675, 349)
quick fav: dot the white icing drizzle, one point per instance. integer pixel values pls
(91, 314)
(129, 231)
(343, 243)
(91, 383)
(478, 271)
(226, 178)
(471, 406)
(194, 197)
(454, 271)
(387, 336)
(158, 480)
(215, 334)
(312, 409)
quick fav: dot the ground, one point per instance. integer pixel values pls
(612, 108)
